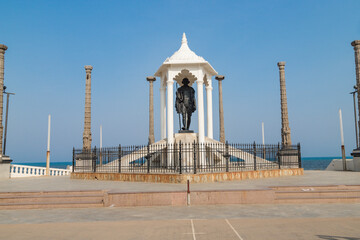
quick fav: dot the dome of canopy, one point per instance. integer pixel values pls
(185, 57)
(184, 54)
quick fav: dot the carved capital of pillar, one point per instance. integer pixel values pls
(199, 82)
(356, 44)
(281, 65)
(220, 77)
(150, 79)
(88, 68)
(3, 48)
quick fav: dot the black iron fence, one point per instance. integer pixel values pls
(186, 158)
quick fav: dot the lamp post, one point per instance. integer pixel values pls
(356, 128)
(6, 116)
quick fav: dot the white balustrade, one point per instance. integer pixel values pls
(32, 171)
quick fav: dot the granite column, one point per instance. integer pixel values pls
(87, 122)
(285, 129)
(356, 45)
(151, 80)
(220, 78)
(3, 48)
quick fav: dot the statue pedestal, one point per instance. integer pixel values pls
(186, 131)
(187, 141)
(186, 137)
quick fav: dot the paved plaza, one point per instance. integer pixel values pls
(260, 221)
(311, 221)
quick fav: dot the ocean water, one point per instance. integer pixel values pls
(308, 163)
(43, 164)
(317, 163)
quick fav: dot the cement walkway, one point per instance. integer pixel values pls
(310, 178)
(233, 222)
(214, 229)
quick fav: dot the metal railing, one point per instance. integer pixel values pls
(186, 158)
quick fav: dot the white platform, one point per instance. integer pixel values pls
(351, 165)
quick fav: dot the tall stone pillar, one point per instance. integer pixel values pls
(3, 48)
(151, 109)
(220, 78)
(285, 129)
(87, 122)
(356, 45)
(356, 152)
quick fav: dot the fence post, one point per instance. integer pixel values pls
(180, 165)
(194, 148)
(254, 156)
(278, 155)
(94, 159)
(148, 158)
(227, 156)
(73, 160)
(299, 155)
(119, 157)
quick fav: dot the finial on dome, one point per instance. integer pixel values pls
(184, 40)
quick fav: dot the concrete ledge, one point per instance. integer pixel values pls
(194, 178)
(232, 197)
(146, 199)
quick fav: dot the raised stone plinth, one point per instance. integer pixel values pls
(194, 178)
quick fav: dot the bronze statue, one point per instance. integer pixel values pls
(185, 103)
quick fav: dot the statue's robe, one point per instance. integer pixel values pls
(185, 103)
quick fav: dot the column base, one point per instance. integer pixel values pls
(289, 157)
(5, 167)
(356, 161)
(356, 152)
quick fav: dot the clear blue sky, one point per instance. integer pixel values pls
(125, 41)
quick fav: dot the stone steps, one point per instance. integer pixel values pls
(51, 199)
(318, 194)
(53, 193)
(315, 188)
(50, 205)
(318, 200)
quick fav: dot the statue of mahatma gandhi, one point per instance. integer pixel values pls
(185, 103)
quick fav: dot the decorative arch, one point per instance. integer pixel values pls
(185, 74)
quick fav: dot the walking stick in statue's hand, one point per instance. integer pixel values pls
(178, 112)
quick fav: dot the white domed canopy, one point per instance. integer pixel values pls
(184, 56)
(184, 63)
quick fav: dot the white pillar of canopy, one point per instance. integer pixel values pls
(209, 107)
(163, 106)
(200, 108)
(184, 63)
(170, 107)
